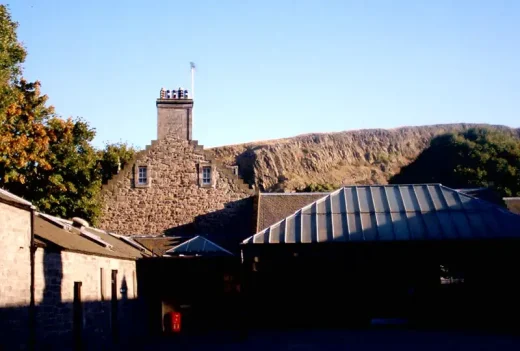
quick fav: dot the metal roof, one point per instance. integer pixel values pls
(198, 246)
(273, 207)
(389, 213)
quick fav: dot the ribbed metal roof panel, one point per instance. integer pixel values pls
(392, 212)
(198, 246)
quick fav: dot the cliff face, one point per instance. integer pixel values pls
(353, 157)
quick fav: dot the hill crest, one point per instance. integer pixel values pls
(367, 156)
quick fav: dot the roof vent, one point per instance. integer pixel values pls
(79, 222)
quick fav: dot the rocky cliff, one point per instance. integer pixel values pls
(352, 157)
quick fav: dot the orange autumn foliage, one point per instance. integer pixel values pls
(24, 138)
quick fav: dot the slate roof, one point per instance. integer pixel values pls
(486, 194)
(199, 246)
(273, 207)
(54, 233)
(392, 212)
(12, 198)
(159, 245)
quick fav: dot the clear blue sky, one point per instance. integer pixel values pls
(270, 69)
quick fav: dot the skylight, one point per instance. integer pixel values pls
(95, 239)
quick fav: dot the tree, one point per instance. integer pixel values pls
(70, 186)
(479, 157)
(317, 188)
(43, 158)
(68, 183)
(23, 113)
(12, 52)
(24, 139)
(64, 181)
(113, 158)
(12, 55)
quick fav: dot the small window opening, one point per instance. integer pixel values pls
(142, 175)
(206, 175)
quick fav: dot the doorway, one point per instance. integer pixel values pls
(77, 323)
(114, 303)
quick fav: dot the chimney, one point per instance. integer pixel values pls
(174, 114)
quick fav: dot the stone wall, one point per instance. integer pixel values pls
(55, 274)
(176, 202)
(174, 118)
(15, 276)
(513, 204)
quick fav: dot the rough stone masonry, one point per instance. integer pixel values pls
(15, 274)
(174, 199)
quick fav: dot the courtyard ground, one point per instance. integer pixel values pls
(352, 340)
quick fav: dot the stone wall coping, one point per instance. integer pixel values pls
(13, 200)
(175, 101)
(86, 252)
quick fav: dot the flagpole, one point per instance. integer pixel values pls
(192, 66)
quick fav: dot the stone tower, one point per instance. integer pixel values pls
(174, 114)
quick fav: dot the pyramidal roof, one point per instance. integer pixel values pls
(389, 213)
(198, 246)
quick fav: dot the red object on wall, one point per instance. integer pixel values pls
(176, 322)
(172, 322)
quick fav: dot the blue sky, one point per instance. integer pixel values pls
(271, 69)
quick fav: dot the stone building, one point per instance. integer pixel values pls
(175, 187)
(423, 253)
(63, 282)
(15, 268)
(79, 265)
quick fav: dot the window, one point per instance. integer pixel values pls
(142, 176)
(206, 175)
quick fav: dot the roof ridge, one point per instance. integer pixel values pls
(198, 237)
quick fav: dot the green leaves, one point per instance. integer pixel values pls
(113, 158)
(318, 188)
(12, 52)
(480, 157)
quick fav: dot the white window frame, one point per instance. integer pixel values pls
(139, 180)
(142, 179)
(206, 175)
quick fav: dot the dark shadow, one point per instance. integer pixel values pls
(124, 289)
(71, 310)
(185, 230)
(204, 290)
(51, 306)
(226, 227)
(246, 165)
(349, 284)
